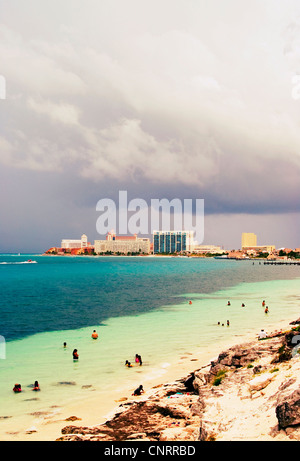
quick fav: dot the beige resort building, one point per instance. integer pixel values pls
(122, 244)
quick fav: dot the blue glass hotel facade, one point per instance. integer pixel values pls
(172, 241)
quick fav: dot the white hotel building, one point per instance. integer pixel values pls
(68, 244)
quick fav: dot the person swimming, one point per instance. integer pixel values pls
(17, 388)
(128, 364)
(94, 334)
(139, 391)
(75, 354)
(36, 386)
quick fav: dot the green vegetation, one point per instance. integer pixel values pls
(218, 379)
(291, 254)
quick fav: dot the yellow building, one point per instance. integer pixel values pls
(249, 240)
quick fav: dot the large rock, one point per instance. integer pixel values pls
(260, 382)
(288, 410)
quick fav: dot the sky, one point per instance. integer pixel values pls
(184, 99)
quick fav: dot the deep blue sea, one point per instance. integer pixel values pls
(58, 293)
(137, 305)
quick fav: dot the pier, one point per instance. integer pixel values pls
(285, 263)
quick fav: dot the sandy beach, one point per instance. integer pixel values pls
(95, 411)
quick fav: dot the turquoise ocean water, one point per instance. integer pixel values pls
(137, 305)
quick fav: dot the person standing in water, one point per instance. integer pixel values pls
(75, 354)
(36, 386)
(138, 359)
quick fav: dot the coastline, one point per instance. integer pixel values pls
(44, 420)
(94, 412)
(261, 386)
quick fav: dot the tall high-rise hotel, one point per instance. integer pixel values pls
(172, 241)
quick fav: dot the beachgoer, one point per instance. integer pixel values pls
(262, 334)
(228, 323)
(190, 302)
(36, 386)
(17, 388)
(139, 390)
(128, 364)
(266, 310)
(94, 334)
(228, 304)
(138, 359)
(65, 345)
(243, 305)
(263, 303)
(219, 323)
(75, 354)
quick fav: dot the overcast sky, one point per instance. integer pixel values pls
(163, 99)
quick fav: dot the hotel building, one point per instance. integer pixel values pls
(248, 240)
(249, 245)
(202, 249)
(67, 244)
(122, 244)
(172, 241)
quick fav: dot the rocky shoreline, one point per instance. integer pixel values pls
(251, 392)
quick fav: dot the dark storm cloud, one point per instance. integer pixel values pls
(161, 100)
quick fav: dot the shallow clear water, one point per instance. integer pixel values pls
(137, 305)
